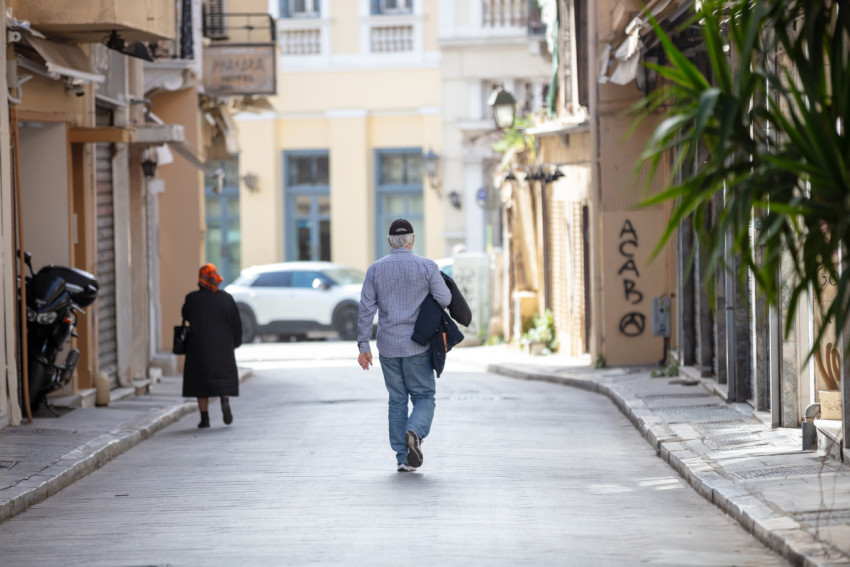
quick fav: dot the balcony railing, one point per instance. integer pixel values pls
(501, 14)
(307, 41)
(391, 39)
(238, 27)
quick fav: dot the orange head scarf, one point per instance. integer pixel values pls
(208, 277)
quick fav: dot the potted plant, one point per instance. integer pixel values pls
(540, 336)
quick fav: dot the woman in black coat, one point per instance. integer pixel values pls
(215, 331)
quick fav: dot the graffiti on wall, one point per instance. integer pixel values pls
(632, 323)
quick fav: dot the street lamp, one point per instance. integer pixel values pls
(431, 162)
(504, 108)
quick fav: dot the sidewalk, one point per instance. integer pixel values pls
(796, 502)
(41, 458)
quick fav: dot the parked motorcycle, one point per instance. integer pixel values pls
(54, 297)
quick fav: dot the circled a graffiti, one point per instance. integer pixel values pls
(632, 324)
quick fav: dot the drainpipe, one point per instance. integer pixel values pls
(774, 336)
(729, 286)
(595, 333)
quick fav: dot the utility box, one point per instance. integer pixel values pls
(661, 316)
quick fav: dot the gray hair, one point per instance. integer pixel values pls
(400, 240)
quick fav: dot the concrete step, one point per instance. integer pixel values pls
(142, 386)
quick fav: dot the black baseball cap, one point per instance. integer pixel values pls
(401, 226)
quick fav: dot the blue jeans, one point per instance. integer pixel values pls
(409, 377)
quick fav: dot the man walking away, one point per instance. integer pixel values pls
(396, 285)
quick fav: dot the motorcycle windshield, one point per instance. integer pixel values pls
(47, 292)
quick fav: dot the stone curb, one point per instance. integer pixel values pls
(773, 528)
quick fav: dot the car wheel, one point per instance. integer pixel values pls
(346, 323)
(249, 325)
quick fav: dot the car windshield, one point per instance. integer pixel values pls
(345, 276)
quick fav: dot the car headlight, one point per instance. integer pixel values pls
(46, 318)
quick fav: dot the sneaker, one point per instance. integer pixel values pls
(414, 453)
(405, 468)
(225, 409)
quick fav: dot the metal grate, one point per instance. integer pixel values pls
(778, 472)
(678, 396)
(734, 441)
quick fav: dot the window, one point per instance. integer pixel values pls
(308, 170)
(399, 168)
(399, 194)
(272, 279)
(300, 8)
(392, 6)
(307, 279)
(307, 205)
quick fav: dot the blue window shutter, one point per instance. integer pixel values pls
(284, 8)
(376, 7)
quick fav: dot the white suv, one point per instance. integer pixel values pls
(298, 299)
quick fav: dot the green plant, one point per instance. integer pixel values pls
(766, 123)
(542, 330)
(494, 340)
(515, 137)
(600, 362)
(669, 371)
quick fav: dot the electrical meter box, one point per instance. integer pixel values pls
(661, 316)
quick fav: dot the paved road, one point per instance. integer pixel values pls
(516, 473)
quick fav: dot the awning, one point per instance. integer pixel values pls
(557, 128)
(158, 133)
(639, 35)
(189, 153)
(55, 59)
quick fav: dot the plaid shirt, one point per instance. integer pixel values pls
(395, 286)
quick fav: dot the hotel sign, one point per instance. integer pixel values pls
(240, 69)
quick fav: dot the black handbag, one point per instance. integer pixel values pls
(181, 338)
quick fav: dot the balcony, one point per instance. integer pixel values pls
(392, 38)
(512, 14)
(92, 21)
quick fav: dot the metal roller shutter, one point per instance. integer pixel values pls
(106, 322)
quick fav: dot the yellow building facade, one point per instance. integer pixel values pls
(340, 155)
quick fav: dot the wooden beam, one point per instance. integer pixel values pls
(105, 134)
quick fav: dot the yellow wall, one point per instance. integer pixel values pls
(261, 209)
(45, 95)
(181, 212)
(149, 20)
(626, 282)
(394, 89)
(345, 38)
(352, 200)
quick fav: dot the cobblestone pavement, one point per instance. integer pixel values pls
(515, 473)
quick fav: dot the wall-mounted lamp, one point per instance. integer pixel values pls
(149, 165)
(454, 199)
(252, 182)
(431, 162)
(554, 176)
(536, 174)
(218, 177)
(504, 108)
(133, 49)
